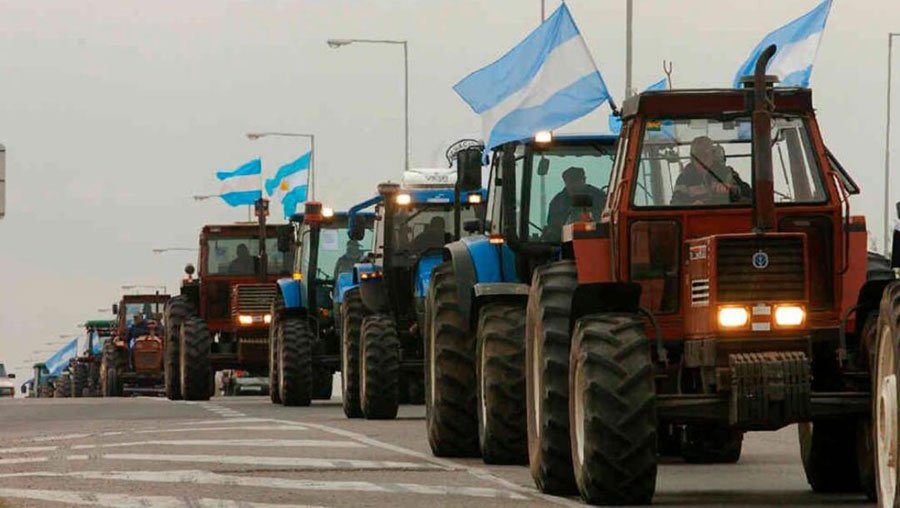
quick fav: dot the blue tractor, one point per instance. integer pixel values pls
(475, 342)
(304, 334)
(385, 314)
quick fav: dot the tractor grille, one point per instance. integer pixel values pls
(147, 355)
(740, 281)
(254, 298)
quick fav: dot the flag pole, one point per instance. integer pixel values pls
(629, 19)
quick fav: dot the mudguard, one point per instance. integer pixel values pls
(424, 267)
(293, 293)
(489, 267)
(343, 283)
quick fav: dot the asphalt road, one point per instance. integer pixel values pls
(246, 452)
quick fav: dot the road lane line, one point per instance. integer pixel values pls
(192, 428)
(478, 472)
(262, 443)
(231, 480)
(289, 462)
(72, 497)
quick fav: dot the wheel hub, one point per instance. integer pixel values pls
(886, 419)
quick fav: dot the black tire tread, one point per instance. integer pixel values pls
(380, 368)
(352, 314)
(194, 349)
(295, 362)
(178, 308)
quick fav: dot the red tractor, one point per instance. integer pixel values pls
(221, 320)
(131, 361)
(724, 288)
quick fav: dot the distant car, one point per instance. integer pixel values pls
(241, 382)
(7, 386)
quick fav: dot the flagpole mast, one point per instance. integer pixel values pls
(887, 151)
(629, 18)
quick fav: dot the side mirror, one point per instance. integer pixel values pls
(582, 201)
(285, 237)
(115, 309)
(472, 226)
(11, 376)
(189, 269)
(468, 169)
(357, 230)
(543, 166)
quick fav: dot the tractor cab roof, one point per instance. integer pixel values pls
(145, 298)
(713, 102)
(239, 229)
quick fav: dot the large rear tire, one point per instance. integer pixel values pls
(352, 314)
(450, 400)
(547, 377)
(612, 410)
(79, 379)
(379, 368)
(194, 365)
(502, 434)
(885, 402)
(111, 364)
(177, 310)
(295, 362)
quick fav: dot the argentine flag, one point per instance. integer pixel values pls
(290, 184)
(545, 82)
(615, 122)
(60, 359)
(241, 186)
(797, 44)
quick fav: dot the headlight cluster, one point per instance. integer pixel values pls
(736, 317)
(248, 319)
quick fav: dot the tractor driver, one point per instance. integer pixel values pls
(707, 180)
(434, 236)
(351, 256)
(137, 329)
(561, 205)
(244, 263)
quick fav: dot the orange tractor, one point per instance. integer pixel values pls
(131, 361)
(724, 288)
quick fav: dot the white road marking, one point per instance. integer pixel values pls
(192, 428)
(263, 443)
(218, 421)
(481, 473)
(71, 497)
(290, 462)
(210, 478)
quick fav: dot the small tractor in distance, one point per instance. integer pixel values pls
(131, 361)
(383, 319)
(221, 319)
(304, 336)
(85, 369)
(726, 236)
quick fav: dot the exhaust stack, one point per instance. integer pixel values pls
(763, 181)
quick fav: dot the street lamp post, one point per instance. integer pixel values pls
(253, 136)
(887, 150)
(337, 43)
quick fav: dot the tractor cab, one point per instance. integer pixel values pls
(139, 334)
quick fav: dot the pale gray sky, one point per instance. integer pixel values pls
(115, 112)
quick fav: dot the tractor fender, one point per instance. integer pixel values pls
(424, 266)
(361, 268)
(464, 271)
(489, 292)
(343, 283)
(293, 295)
(374, 294)
(596, 297)
(477, 261)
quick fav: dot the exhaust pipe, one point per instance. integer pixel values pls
(763, 181)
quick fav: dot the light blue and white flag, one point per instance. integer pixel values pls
(615, 122)
(797, 44)
(545, 82)
(60, 359)
(241, 186)
(290, 184)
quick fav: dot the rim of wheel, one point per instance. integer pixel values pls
(886, 420)
(578, 400)
(536, 384)
(432, 369)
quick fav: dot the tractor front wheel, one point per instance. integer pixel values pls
(501, 383)
(110, 364)
(885, 414)
(612, 410)
(379, 368)
(177, 310)
(194, 366)
(547, 376)
(352, 314)
(451, 416)
(828, 452)
(79, 379)
(294, 362)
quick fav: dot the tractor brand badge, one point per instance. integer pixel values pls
(760, 260)
(698, 252)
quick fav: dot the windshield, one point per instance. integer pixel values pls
(145, 310)
(708, 162)
(240, 256)
(420, 227)
(337, 252)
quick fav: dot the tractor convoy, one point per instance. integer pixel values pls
(582, 306)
